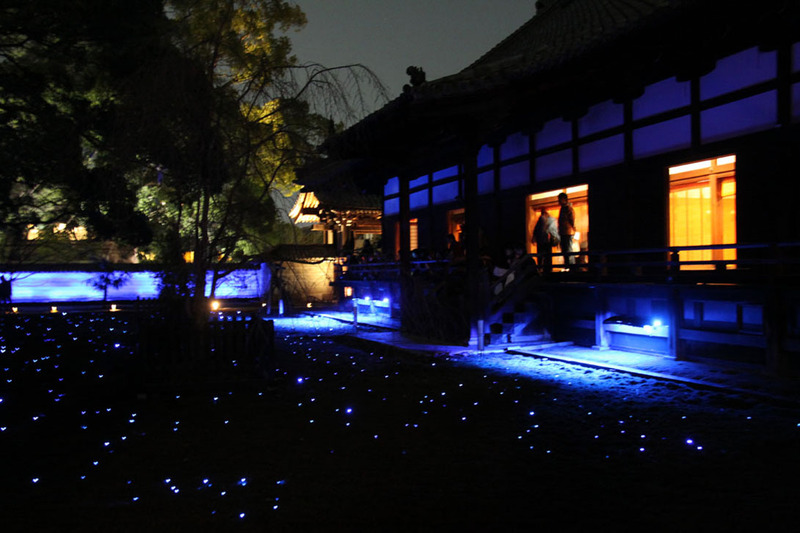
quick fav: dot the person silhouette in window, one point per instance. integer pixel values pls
(545, 236)
(566, 228)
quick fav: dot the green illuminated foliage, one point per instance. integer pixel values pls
(168, 125)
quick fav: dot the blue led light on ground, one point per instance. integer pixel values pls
(491, 396)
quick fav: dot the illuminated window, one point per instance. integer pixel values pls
(486, 182)
(418, 199)
(514, 146)
(515, 175)
(600, 117)
(391, 187)
(188, 256)
(419, 182)
(605, 152)
(445, 173)
(391, 206)
(485, 156)
(447, 192)
(554, 165)
(414, 231)
(579, 198)
(702, 209)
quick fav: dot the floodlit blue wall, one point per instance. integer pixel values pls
(76, 286)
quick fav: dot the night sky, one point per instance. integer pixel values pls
(441, 36)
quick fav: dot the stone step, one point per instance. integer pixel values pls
(496, 339)
(519, 327)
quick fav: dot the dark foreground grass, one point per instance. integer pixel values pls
(340, 438)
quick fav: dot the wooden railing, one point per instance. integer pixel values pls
(753, 262)
(390, 271)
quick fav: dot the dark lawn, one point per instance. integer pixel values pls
(348, 439)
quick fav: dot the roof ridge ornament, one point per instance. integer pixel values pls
(417, 77)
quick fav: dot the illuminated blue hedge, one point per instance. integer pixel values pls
(77, 286)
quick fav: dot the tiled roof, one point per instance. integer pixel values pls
(339, 186)
(570, 48)
(348, 199)
(563, 29)
(565, 32)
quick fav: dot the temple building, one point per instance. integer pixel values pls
(347, 214)
(672, 128)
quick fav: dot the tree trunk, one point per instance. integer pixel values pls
(199, 307)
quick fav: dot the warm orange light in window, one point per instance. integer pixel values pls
(728, 188)
(702, 202)
(709, 164)
(571, 191)
(681, 169)
(579, 198)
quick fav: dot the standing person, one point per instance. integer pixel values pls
(545, 235)
(367, 251)
(566, 228)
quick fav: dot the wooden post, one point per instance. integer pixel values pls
(674, 264)
(405, 227)
(477, 296)
(775, 331)
(600, 314)
(405, 252)
(675, 309)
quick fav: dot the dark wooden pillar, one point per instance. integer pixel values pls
(406, 306)
(477, 289)
(675, 322)
(405, 227)
(775, 310)
(601, 340)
